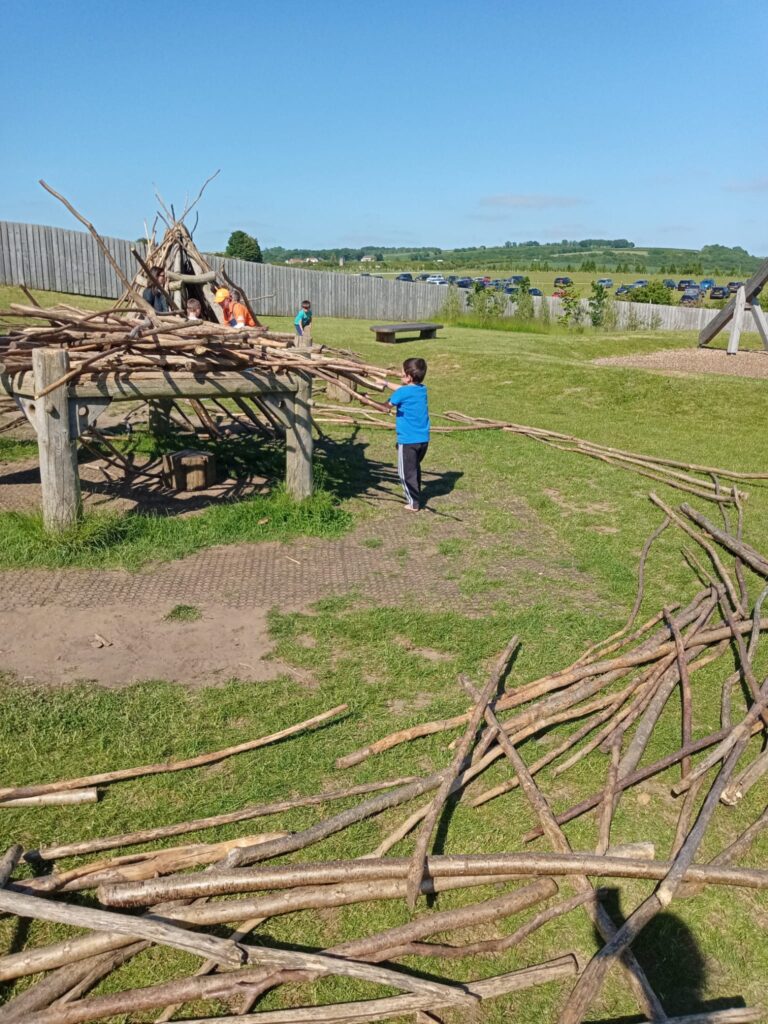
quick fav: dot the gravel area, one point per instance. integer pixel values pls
(695, 360)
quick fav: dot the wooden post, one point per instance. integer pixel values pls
(298, 437)
(760, 322)
(738, 318)
(56, 442)
(159, 421)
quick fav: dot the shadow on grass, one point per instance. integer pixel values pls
(667, 951)
(347, 472)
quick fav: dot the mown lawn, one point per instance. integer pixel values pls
(709, 947)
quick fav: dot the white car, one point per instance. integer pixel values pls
(435, 279)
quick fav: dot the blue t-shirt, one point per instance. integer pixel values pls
(412, 423)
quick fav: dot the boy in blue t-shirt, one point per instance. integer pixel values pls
(302, 322)
(412, 426)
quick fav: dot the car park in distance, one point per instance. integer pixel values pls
(719, 292)
(511, 289)
(464, 282)
(707, 283)
(669, 283)
(563, 282)
(435, 279)
(404, 277)
(606, 282)
(623, 289)
(686, 282)
(641, 282)
(535, 291)
(733, 286)
(691, 295)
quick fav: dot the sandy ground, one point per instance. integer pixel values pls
(695, 360)
(55, 645)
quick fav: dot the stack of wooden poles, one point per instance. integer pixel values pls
(606, 705)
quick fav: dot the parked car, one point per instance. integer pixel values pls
(452, 279)
(511, 289)
(435, 279)
(464, 282)
(516, 278)
(422, 277)
(691, 295)
(563, 282)
(669, 283)
(623, 289)
(707, 283)
(733, 286)
(363, 275)
(641, 282)
(686, 282)
(535, 291)
(606, 282)
(404, 277)
(719, 292)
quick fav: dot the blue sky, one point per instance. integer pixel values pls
(435, 123)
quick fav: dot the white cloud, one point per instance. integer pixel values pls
(530, 201)
(753, 185)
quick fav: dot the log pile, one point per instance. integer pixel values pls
(133, 338)
(614, 700)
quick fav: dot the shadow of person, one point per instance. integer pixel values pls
(667, 951)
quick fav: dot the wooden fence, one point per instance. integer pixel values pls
(55, 259)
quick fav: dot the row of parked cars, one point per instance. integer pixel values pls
(509, 285)
(693, 291)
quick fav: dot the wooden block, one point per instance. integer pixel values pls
(189, 470)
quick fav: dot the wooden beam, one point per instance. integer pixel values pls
(760, 322)
(751, 288)
(737, 319)
(56, 442)
(162, 384)
(298, 437)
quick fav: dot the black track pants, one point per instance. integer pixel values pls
(409, 459)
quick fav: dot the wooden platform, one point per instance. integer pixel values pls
(389, 332)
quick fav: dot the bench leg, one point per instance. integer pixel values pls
(427, 334)
(387, 338)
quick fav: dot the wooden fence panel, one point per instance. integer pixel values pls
(70, 261)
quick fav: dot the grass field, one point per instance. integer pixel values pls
(591, 519)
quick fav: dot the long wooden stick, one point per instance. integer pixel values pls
(416, 870)
(319, 873)
(147, 835)
(136, 295)
(14, 792)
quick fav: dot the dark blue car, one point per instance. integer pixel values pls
(535, 291)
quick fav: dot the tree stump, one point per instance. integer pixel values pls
(189, 470)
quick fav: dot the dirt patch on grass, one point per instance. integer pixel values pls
(417, 703)
(677, 361)
(120, 644)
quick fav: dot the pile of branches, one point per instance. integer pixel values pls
(610, 700)
(132, 338)
(125, 341)
(693, 478)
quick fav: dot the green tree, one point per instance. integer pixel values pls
(654, 292)
(598, 301)
(242, 246)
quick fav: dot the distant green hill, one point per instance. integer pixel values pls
(617, 255)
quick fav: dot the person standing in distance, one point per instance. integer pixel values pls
(412, 426)
(302, 322)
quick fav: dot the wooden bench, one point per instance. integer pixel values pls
(389, 332)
